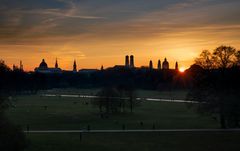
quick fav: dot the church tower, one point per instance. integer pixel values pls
(21, 65)
(165, 64)
(159, 65)
(56, 63)
(74, 66)
(127, 61)
(150, 65)
(131, 61)
(176, 66)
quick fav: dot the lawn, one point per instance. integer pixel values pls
(61, 113)
(180, 141)
(54, 113)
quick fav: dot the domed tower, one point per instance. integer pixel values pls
(43, 65)
(165, 64)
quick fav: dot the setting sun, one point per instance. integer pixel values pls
(182, 69)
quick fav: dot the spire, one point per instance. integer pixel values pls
(56, 64)
(74, 66)
(21, 65)
(176, 66)
(150, 65)
(159, 64)
(102, 68)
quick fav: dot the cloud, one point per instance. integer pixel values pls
(117, 24)
(34, 20)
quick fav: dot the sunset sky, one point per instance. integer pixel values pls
(102, 32)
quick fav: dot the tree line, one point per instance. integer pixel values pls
(216, 85)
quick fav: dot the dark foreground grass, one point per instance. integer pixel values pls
(58, 113)
(77, 113)
(156, 141)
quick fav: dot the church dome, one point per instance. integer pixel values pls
(165, 64)
(43, 64)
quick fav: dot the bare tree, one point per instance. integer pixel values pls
(205, 60)
(109, 100)
(224, 56)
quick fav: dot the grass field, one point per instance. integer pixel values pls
(197, 141)
(77, 113)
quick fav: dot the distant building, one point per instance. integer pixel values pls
(143, 68)
(16, 68)
(129, 64)
(88, 71)
(74, 66)
(131, 61)
(127, 61)
(159, 65)
(118, 68)
(43, 68)
(165, 64)
(176, 66)
(21, 65)
(56, 64)
(150, 65)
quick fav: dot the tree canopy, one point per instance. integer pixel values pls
(221, 57)
(217, 85)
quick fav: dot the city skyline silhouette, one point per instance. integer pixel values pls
(129, 63)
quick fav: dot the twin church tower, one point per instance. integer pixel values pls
(129, 63)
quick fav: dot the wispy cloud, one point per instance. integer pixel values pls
(102, 28)
(58, 13)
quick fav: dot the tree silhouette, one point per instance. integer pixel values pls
(224, 56)
(216, 86)
(11, 136)
(109, 100)
(205, 60)
(238, 58)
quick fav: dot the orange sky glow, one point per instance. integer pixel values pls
(68, 30)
